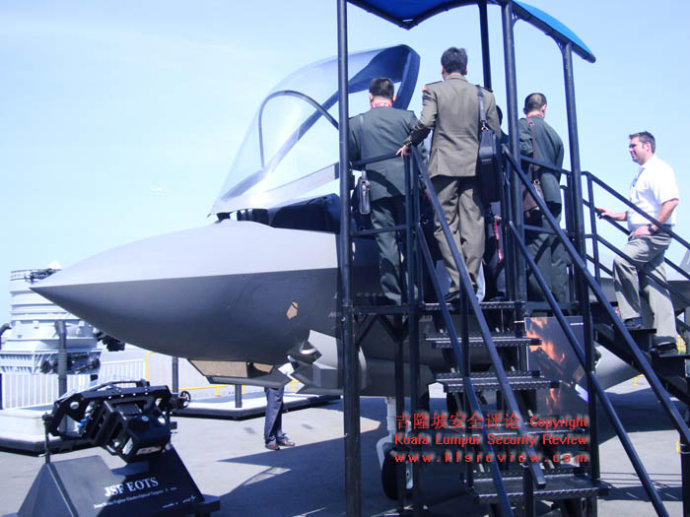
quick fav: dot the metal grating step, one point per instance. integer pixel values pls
(485, 306)
(442, 340)
(454, 383)
(558, 486)
(380, 309)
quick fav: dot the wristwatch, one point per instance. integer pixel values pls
(649, 227)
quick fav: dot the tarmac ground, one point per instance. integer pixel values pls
(227, 459)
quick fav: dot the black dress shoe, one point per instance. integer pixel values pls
(272, 446)
(286, 443)
(667, 347)
(452, 297)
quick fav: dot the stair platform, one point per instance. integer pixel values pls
(561, 485)
(519, 381)
(485, 306)
(442, 340)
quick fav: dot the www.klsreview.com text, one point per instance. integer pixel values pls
(479, 457)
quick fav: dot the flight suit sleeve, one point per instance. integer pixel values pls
(353, 139)
(560, 154)
(428, 119)
(525, 138)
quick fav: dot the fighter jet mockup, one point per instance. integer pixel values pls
(259, 286)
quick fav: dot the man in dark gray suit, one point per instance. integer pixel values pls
(451, 108)
(540, 141)
(374, 133)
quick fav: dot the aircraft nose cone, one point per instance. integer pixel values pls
(210, 291)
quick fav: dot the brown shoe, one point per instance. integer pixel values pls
(286, 443)
(273, 446)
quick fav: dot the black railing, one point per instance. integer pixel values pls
(418, 254)
(594, 286)
(416, 245)
(597, 239)
(470, 304)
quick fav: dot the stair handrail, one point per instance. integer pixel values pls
(593, 380)
(597, 239)
(424, 248)
(662, 227)
(467, 292)
(663, 283)
(640, 361)
(624, 230)
(589, 203)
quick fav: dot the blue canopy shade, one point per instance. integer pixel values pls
(409, 13)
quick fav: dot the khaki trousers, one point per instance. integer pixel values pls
(653, 304)
(462, 207)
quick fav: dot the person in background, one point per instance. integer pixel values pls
(540, 141)
(274, 437)
(655, 192)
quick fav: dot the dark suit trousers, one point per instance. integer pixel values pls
(273, 425)
(387, 212)
(551, 258)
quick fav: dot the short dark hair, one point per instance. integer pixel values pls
(382, 87)
(646, 138)
(455, 60)
(534, 101)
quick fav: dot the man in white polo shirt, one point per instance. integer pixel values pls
(655, 192)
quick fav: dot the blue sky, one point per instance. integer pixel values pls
(120, 120)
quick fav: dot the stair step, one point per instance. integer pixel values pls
(442, 340)
(643, 337)
(562, 485)
(454, 383)
(381, 309)
(668, 364)
(485, 306)
(672, 355)
(666, 351)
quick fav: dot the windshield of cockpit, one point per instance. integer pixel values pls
(291, 148)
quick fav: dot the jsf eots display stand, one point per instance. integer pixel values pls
(130, 420)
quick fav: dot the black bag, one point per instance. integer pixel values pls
(363, 186)
(530, 209)
(488, 158)
(363, 194)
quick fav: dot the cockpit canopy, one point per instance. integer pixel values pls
(291, 149)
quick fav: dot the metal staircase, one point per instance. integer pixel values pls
(487, 370)
(568, 485)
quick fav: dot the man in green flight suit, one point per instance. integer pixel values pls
(540, 141)
(374, 133)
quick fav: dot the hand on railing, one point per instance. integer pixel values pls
(603, 213)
